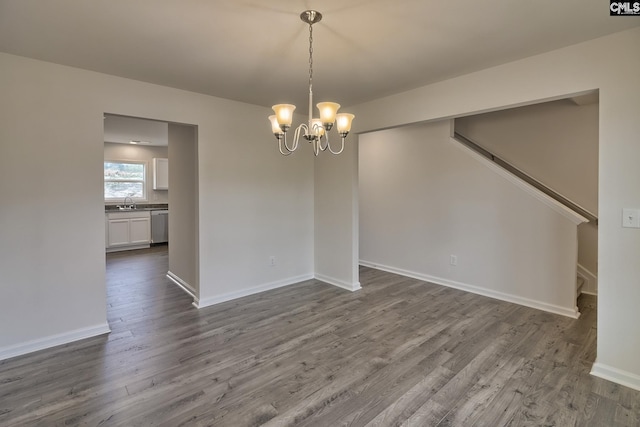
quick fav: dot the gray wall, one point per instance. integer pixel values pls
(252, 202)
(424, 198)
(556, 143)
(183, 204)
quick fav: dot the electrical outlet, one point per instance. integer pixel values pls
(272, 261)
(453, 260)
(630, 218)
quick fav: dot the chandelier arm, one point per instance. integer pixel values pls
(341, 147)
(326, 143)
(280, 142)
(318, 133)
(287, 153)
(326, 136)
(296, 137)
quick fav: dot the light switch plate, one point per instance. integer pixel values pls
(631, 218)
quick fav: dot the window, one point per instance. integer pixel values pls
(124, 179)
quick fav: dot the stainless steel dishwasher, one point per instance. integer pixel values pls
(159, 226)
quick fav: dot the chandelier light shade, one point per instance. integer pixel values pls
(316, 130)
(344, 123)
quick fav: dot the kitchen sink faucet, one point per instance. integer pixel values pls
(132, 205)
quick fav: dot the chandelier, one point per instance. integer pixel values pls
(316, 131)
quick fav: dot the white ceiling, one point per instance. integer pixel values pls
(256, 51)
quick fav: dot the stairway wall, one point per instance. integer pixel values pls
(554, 142)
(424, 197)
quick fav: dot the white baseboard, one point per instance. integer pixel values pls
(53, 341)
(182, 284)
(206, 302)
(540, 305)
(590, 286)
(339, 283)
(618, 376)
(128, 248)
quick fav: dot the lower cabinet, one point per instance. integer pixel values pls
(118, 232)
(127, 230)
(140, 230)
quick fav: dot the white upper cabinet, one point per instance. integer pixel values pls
(160, 174)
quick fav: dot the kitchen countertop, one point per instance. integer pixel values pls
(140, 207)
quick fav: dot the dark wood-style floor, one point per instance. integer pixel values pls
(398, 352)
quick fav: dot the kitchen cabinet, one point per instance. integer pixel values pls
(117, 232)
(140, 231)
(160, 174)
(127, 230)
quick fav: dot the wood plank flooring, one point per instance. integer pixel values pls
(400, 352)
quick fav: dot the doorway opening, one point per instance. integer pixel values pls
(151, 195)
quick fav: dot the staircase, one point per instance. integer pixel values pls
(591, 217)
(525, 177)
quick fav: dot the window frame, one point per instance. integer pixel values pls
(145, 181)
